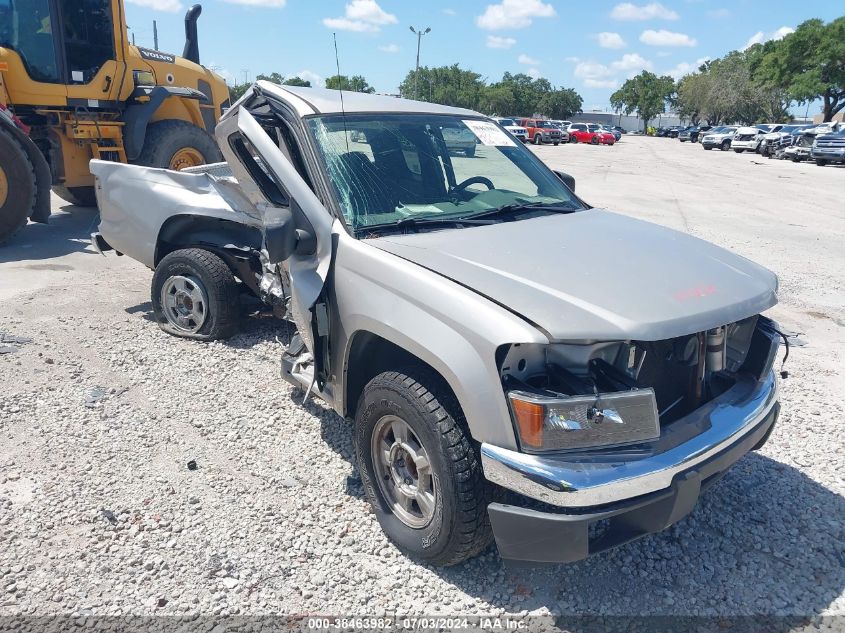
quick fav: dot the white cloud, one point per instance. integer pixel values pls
(596, 75)
(572, 59)
(610, 40)
(494, 41)
(390, 48)
(361, 16)
(600, 83)
(450, 12)
(259, 3)
(591, 70)
(513, 14)
(159, 5)
(316, 80)
(630, 12)
(528, 61)
(632, 61)
(685, 68)
(719, 13)
(759, 37)
(534, 73)
(666, 38)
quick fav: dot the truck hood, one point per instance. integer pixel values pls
(595, 275)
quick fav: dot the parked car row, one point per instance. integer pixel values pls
(540, 131)
(823, 143)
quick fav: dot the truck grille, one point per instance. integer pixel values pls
(745, 137)
(831, 143)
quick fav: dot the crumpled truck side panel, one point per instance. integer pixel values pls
(135, 202)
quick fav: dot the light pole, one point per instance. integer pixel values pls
(419, 35)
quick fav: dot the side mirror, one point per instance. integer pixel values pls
(280, 235)
(282, 238)
(568, 180)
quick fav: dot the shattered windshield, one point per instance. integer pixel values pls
(389, 169)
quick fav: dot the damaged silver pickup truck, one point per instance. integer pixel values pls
(518, 365)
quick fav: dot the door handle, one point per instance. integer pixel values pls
(107, 87)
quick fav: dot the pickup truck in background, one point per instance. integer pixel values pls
(540, 131)
(505, 379)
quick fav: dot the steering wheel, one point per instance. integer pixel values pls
(481, 180)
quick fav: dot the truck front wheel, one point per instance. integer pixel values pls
(177, 145)
(419, 469)
(195, 295)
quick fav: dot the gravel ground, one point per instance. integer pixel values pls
(101, 413)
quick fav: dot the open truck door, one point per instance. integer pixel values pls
(297, 227)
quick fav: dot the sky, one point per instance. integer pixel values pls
(589, 46)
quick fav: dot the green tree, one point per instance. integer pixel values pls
(447, 85)
(561, 103)
(356, 83)
(297, 81)
(809, 64)
(646, 94)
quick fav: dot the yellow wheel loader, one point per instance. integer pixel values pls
(73, 88)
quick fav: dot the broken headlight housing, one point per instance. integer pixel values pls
(584, 421)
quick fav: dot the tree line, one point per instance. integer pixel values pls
(759, 83)
(516, 94)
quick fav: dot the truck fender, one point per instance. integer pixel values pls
(43, 178)
(138, 115)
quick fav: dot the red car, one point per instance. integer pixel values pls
(605, 137)
(580, 133)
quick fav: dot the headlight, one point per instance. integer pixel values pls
(601, 420)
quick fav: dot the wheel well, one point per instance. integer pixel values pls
(235, 243)
(370, 355)
(195, 230)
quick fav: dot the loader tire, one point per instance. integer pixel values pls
(177, 145)
(17, 187)
(80, 196)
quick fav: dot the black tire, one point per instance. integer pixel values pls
(469, 152)
(218, 283)
(80, 196)
(739, 151)
(459, 527)
(725, 146)
(594, 140)
(18, 187)
(706, 148)
(556, 143)
(821, 162)
(795, 159)
(165, 138)
(538, 140)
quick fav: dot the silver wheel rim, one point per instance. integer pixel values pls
(403, 471)
(185, 303)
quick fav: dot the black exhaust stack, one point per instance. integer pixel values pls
(192, 46)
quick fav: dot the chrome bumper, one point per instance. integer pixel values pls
(581, 480)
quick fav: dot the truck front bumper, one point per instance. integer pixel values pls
(636, 492)
(833, 154)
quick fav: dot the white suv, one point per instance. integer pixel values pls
(747, 138)
(511, 126)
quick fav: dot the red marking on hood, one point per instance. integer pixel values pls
(695, 292)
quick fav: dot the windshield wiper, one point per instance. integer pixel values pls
(552, 207)
(425, 222)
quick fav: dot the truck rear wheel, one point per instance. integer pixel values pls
(420, 472)
(17, 186)
(195, 295)
(177, 145)
(80, 196)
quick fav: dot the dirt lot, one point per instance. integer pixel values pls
(100, 412)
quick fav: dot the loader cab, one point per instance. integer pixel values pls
(66, 42)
